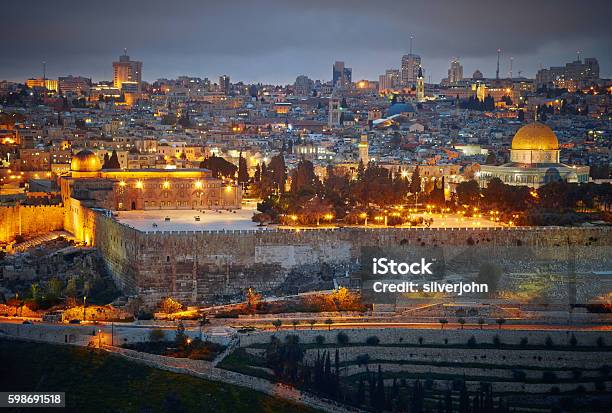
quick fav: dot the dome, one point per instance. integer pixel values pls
(399, 108)
(85, 161)
(535, 136)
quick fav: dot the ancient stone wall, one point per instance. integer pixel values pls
(29, 220)
(199, 267)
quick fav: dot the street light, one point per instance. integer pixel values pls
(84, 300)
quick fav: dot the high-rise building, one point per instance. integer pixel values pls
(410, 69)
(76, 85)
(224, 84)
(341, 75)
(455, 73)
(127, 71)
(303, 86)
(389, 81)
(573, 75)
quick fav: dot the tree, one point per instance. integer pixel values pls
(481, 322)
(157, 335)
(304, 178)
(415, 183)
(243, 172)
(113, 162)
(500, 321)
(329, 322)
(277, 323)
(489, 274)
(295, 323)
(252, 299)
(219, 167)
(180, 337)
(278, 172)
(468, 193)
(312, 323)
(443, 322)
(343, 338)
(169, 306)
(462, 322)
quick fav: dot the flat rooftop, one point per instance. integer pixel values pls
(240, 219)
(185, 220)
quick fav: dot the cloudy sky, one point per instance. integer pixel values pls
(274, 41)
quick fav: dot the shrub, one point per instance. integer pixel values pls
(497, 341)
(157, 335)
(342, 338)
(420, 341)
(549, 342)
(320, 340)
(519, 375)
(524, 342)
(372, 341)
(600, 342)
(573, 341)
(549, 376)
(169, 306)
(145, 315)
(471, 342)
(362, 359)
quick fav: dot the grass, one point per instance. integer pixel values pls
(96, 381)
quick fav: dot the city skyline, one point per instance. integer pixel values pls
(275, 42)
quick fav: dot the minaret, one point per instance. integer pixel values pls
(420, 86)
(364, 156)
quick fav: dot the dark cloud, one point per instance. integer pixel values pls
(273, 41)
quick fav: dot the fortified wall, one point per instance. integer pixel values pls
(200, 267)
(29, 219)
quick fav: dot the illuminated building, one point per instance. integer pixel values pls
(534, 161)
(49, 84)
(455, 73)
(364, 156)
(127, 71)
(420, 86)
(224, 84)
(573, 75)
(410, 69)
(389, 81)
(76, 85)
(145, 189)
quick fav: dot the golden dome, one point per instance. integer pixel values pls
(85, 161)
(535, 136)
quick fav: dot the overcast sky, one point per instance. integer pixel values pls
(274, 41)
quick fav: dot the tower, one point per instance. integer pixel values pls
(127, 74)
(334, 112)
(455, 73)
(497, 71)
(420, 86)
(224, 84)
(364, 156)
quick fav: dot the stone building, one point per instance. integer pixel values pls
(534, 161)
(145, 189)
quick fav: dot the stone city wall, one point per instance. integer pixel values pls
(29, 220)
(199, 267)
